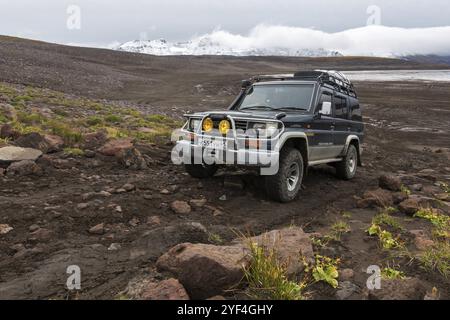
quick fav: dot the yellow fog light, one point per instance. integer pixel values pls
(224, 126)
(208, 124)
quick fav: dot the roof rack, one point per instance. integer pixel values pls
(333, 78)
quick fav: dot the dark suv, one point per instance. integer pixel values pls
(281, 124)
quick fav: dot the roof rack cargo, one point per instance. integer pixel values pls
(336, 79)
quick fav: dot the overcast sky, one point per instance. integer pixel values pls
(107, 21)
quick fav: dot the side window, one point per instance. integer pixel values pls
(324, 97)
(355, 112)
(340, 106)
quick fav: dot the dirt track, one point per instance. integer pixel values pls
(407, 131)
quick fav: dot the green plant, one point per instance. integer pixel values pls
(215, 238)
(385, 238)
(384, 218)
(338, 229)
(112, 118)
(445, 187)
(346, 214)
(437, 258)
(440, 221)
(74, 152)
(326, 269)
(391, 273)
(404, 189)
(267, 277)
(94, 121)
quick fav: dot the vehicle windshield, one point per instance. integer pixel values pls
(279, 97)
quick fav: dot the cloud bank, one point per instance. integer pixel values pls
(366, 41)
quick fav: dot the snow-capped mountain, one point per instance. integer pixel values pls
(206, 46)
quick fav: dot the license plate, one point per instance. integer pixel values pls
(213, 143)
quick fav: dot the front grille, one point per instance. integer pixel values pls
(241, 124)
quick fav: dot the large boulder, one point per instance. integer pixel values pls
(113, 147)
(13, 154)
(291, 245)
(94, 140)
(208, 270)
(23, 168)
(131, 158)
(376, 198)
(32, 140)
(391, 183)
(205, 270)
(410, 206)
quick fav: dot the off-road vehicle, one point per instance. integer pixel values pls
(282, 124)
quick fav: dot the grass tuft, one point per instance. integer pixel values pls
(267, 277)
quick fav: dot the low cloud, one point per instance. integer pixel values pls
(366, 41)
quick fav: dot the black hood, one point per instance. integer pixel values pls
(284, 116)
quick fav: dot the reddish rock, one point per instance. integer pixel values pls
(95, 140)
(204, 270)
(421, 241)
(376, 198)
(208, 270)
(389, 182)
(409, 206)
(99, 229)
(55, 143)
(113, 147)
(170, 289)
(290, 244)
(399, 289)
(180, 207)
(131, 158)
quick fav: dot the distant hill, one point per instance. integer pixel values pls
(431, 59)
(116, 75)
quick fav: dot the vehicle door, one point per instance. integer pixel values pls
(342, 123)
(320, 137)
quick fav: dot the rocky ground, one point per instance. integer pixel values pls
(86, 179)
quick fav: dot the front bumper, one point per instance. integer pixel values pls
(191, 153)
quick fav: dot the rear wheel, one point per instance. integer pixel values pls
(285, 185)
(200, 171)
(346, 169)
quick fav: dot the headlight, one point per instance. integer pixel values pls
(268, 128)
(224, 126)
(208, 124)
(194, 124)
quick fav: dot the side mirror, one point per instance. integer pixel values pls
(325, 109)
(246, 83)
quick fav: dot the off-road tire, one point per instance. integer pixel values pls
(200, 171)
(346, 169)
(277, 185)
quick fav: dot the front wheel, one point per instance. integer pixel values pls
(346, 169)
(285, 185)
(200, 171)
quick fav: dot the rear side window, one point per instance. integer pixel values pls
(355, 110)
(340, 107)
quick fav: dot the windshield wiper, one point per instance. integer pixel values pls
(258, 107)
(292, 108)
